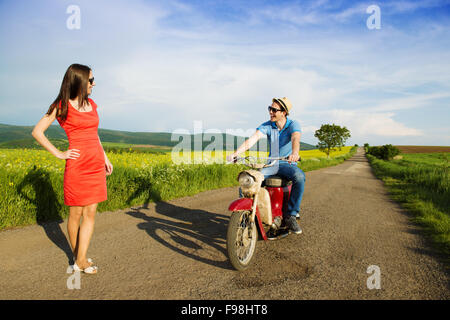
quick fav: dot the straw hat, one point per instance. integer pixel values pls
(285, 103)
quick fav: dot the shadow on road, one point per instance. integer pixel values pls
(48, 209)
(195, 233)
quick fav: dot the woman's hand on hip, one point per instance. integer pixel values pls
(69, 154)
(108, 166)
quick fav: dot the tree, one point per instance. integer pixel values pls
(366, 147)
(330, 137)
(386, 152)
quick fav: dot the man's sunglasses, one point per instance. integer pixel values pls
(91, 80)
(274, 110)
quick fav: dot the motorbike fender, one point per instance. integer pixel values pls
(241, 204)
(247, 204)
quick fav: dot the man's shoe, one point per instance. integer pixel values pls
(292, 224)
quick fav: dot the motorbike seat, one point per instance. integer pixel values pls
(276, 181)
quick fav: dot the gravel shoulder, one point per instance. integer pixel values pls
(176, 250)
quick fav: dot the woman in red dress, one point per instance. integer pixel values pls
(86, 162)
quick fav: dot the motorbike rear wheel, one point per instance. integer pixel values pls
(241, 239)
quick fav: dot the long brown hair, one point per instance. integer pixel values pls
(74, 84)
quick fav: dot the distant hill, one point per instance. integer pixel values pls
(10, 132)
(20, 137)
(31, 143)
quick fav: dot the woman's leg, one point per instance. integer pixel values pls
(86, 231)
(73, 227)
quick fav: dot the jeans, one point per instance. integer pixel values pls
(292, 173)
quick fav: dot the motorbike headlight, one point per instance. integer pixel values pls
(246, 180)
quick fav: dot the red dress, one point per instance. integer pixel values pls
(85, 176)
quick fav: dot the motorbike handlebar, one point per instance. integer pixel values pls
(252, 161)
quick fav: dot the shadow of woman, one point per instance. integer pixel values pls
(146, 188)
(48, 209)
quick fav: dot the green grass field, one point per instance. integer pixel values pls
(421, 183)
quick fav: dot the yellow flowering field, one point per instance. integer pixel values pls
(31, 181)
(24, 159)
(316, 153)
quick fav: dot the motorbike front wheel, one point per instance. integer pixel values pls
(241, 239)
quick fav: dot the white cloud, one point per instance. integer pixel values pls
(309, 129)
(409, 102)
(365, 124)
(189, 83)
(408, 6)
(348, 13)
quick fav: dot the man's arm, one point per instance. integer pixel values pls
(246, 145)
(295, 140)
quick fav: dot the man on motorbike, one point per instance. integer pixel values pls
(283, 135)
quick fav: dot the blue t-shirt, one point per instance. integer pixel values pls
(280, 141)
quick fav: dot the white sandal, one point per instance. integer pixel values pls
(70, 269)
(88, 270)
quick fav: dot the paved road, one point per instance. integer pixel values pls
(176, 250)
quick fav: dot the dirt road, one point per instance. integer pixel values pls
(176, 250)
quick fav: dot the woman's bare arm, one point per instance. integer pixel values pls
(38, 134)
(108, 164)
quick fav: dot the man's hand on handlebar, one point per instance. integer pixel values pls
(293, 158)
(232, 157)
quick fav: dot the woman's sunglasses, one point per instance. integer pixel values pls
(91, 80)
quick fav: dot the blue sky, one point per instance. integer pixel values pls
(161, 65)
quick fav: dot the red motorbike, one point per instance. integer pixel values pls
(260, 211)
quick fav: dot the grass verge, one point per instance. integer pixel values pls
(421, 183)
